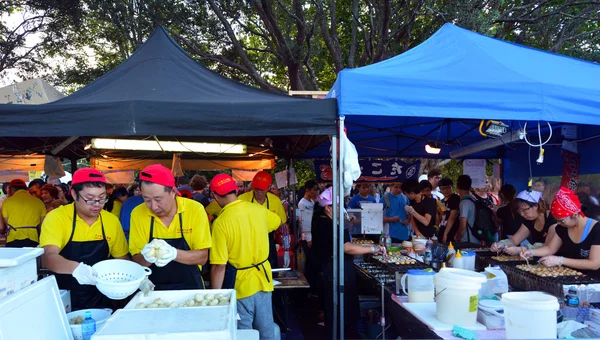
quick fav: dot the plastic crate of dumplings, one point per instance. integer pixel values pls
(175, 314)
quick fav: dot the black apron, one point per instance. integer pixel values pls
(272, 248)
(231, 272)
(90, 253)
(175, 275)
(21, 243)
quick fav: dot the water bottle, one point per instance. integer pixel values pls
(388, 241)
(428, 256)
(571, 304)
(88, 327)
(382, 239)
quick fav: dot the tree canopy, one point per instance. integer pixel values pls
(278, 45)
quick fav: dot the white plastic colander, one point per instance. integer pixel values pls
(117, 279)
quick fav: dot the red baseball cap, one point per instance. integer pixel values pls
(17, 183)
(85, 175)
(223, 184)
(158, 174)
(262, 180)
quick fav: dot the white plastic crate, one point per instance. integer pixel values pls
(208, 322)
(18, 269)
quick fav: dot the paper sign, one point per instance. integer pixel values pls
(281, 178)
(372, 218)
(293, 179)
(475, 168)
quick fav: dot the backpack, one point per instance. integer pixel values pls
(484, 227)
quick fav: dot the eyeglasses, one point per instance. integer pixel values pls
(93, 202)
(564, 220)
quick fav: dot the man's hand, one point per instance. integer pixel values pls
(409, 209)
(85, 275)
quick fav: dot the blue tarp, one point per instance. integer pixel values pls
(438, 91)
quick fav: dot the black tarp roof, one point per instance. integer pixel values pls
(161, 91)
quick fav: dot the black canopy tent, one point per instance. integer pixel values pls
(161, 91)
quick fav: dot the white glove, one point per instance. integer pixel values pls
(166, 254)
(85, 275)
(149, 252)
(286, 259)
(512, 250)
(552, 261)
(409, 209)
(146, 286)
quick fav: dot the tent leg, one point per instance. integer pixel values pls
(334, 163)
(340, 206)
(73, 165)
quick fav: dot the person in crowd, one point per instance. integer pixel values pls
(239, 256)
(539, 185)
(495, 186)
(134, 189)
(63, 193)
(577, 237)
(127, 208)
(395, 215)
(78, 235)
(50, 197)
(259, 195)
(5, 193)
(307, 203)
(198, 183)
(120, 195)
(466, 210)
(22, 216)
(185, 193)
(35, 187)
(450, 209)
(587, 191)
(323, 234)
(183, 183)
(362, 197)
(373, 192)
(278, 193)
(510, 219)
(179, 224)
(588, 208)
(538, 226)
(434, 176)
(422, 208)
(426, 188)
(484, 193)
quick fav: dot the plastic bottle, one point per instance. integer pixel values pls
(428, 256)
(434, 241)
(429, 242)
(458, 261)
(382, 239)
(571, 304)
(88, 327)
(451, 252)
(388, 241)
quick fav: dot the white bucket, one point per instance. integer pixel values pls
(457, 296)
(530, 315)
(99, 315)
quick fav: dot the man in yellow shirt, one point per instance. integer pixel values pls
(259, 195)
(78, 235)
(23, 215)
(239, 255)
(178, 224)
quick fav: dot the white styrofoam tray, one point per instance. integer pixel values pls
(425, 312)
(11, 257)
(35, 312)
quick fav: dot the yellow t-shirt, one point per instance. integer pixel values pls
(274, 204)
(213, 208)
(57, 229)
(240, 238)
(23, 210)
(116, 210)
(196, 230)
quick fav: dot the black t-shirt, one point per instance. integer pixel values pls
(322, 239)
(426, 206)
(572, 250)
(451, 203)
(511, 221)
(539, 236)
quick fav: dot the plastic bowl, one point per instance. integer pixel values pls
(117, 279)
(99, 315)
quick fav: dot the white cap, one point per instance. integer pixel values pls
(530, 196)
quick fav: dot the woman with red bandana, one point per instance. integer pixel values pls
(577, 237)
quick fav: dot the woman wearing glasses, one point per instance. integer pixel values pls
(577, 237)
(79, 235)
(539, 226)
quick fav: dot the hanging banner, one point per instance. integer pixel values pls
(376, 171)
(570, 172)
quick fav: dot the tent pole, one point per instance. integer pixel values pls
(334, 163)
(292, 207)
(73, 165)
(340, 215)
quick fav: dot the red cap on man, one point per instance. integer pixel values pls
(158, 174)
(85, 175)
(17, 183)
(223, 184)
(261, 180)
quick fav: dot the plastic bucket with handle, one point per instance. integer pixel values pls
(457, 296)
(530, 315)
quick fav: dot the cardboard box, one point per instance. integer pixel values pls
(65, 295)
(595, 316)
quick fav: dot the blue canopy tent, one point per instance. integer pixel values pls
(438, 92)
